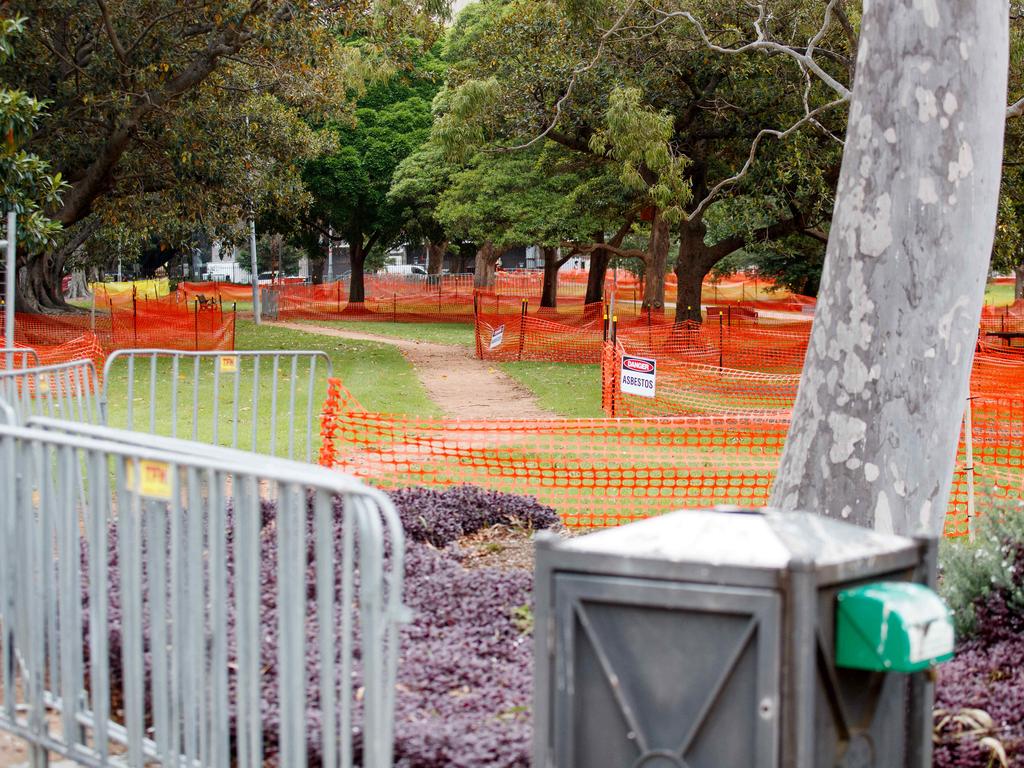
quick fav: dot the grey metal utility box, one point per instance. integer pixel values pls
(705, 639)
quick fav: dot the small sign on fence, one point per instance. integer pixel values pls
(228, 363)
(497, 336)
(154, 480)
(638, 376)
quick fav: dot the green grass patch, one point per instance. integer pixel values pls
(572, 390)
(999, 294)
(438, 333)
(222, 405)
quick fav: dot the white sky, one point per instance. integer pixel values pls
(458, 5)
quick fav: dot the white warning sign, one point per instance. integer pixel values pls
(638, 376)
(497, 335)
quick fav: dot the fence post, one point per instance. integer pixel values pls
(234, 322)
(135, 319)
(969, 468)
(394, 307)
(522, 326)
(339, 296)
(615, 361)
(92, 313)
(197, 324)
(721, 340)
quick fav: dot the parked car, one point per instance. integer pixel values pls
(410, 270)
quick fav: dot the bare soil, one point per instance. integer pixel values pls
(462, 386)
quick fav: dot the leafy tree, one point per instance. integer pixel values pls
(27, 188)
(149, 100)
(505, 199)
(416, 188)
(350, 186)
(629, 85)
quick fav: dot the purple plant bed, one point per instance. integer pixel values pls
(988, 674)
(465, 671)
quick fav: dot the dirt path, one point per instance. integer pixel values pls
(462, 386)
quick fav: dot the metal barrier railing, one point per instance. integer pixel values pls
(264, 401)
(64, 390)
(18, 357)
(134, 574)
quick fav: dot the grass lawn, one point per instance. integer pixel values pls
(572, 390)
(438, 333)
(377, 375)
(999, 294)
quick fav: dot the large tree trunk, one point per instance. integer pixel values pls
(549, 291)
(486, 258)
(38, 288)
(1018, 282)
(435, 257)
(877, 419)
(693, 263)
(657, 261)
(599, 259)
(357, 285)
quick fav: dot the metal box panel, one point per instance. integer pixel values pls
(655, 674)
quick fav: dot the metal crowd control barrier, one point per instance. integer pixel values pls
(18, 357)
(64, 390)
(264, 401)
(134, 572)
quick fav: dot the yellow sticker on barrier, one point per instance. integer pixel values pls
(44, 385)
(155, 479)
(228, 363)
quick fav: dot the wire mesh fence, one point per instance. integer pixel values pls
(263, 401)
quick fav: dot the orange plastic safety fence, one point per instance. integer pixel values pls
(595, 472)
(143, 324)
(604, 472)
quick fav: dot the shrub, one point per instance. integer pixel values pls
(980, 693)
(983, 581)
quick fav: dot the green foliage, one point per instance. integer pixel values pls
(349, 186)
(972, 571)
(26, 184)
(515, 198)
(639, 138)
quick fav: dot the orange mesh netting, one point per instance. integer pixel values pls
(595, 472)
(159, 323)
(603, 472)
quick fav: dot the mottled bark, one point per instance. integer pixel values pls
(657, 261)
(877, 419)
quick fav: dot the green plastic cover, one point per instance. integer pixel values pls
(892, 626)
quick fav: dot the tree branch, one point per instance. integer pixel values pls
(115, 41)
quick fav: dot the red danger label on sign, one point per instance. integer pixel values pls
(638, 364)
(638, 376)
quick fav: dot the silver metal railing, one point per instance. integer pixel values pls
(140, 574)
(64, 390)
(264, 401)
(18, 357)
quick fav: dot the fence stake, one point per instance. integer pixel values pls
(234, 322)
(969, 469)
(721, 341)
(339, 297)
(135, 319)
(197, 324)
(394, 308)
(522, 327)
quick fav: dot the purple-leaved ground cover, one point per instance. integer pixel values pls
(465, 672)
